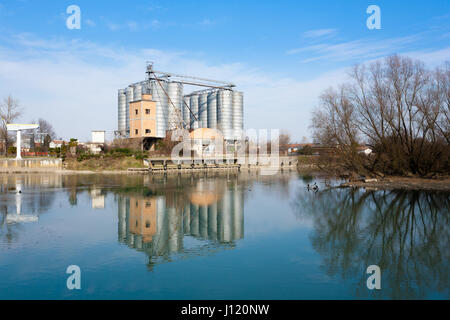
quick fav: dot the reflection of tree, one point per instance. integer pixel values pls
(404, 232)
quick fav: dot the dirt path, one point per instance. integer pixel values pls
(403, 183)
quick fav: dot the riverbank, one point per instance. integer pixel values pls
(406, 183)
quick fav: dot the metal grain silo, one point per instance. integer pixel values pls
(137, 92)
(212, 110)
(128, 98)
(162, 117)
(194, 109)
(203, 110)
(186, 112)
(122, 112)
(238, 114)
(175, 92)
(224, 113)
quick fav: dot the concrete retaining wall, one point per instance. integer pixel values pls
(27, 165)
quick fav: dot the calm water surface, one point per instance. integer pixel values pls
(218, 236)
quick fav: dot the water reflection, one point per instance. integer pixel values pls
(406, 233)
(172, 217)
(211, 212)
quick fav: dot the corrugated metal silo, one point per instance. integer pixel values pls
(137, 92)
(121, 112)
(175, 92)
(212, 110)
(203, 110)
(128, 98)
(224, 113)
(186, 112)
(238, 114)
(194, 109)
(159, 96)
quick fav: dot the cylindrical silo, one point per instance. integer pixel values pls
(122, 110)
(128, 98)
(212, 110)
(137, 92)
(186, 112)
(175, 92)
(194, 109)
(159, 96)
(203, 110)
(224, 113)
(238, 114)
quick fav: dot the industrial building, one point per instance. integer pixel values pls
(150, 109)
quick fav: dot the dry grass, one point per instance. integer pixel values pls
(103, 164)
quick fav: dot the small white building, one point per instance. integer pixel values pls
(56, 144)
(97, 141)
(98, 136)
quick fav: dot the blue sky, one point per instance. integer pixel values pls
(282, 54)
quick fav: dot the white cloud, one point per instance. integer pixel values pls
(356, 49)
(319, 33)
(90, 23)
(113, 26)
(74, 84)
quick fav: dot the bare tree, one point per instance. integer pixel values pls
(399, 108)
(9, 111)
(45, 133)
(284, 140)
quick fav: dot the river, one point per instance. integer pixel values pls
(218, 236)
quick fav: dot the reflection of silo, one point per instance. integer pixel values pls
(212, 110)
(212, 221)
(227, 217)
(122, 110)
(203, 110)
(128, 99)
(238, 213)
(159, 89)
(187, 219)
(161, 237)
(122, 215)
(174, 226)
(194, 109)
(175, 92)
(138, 241)
(194, 220)
(203, 221)
(186, 112)
(224, 217)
